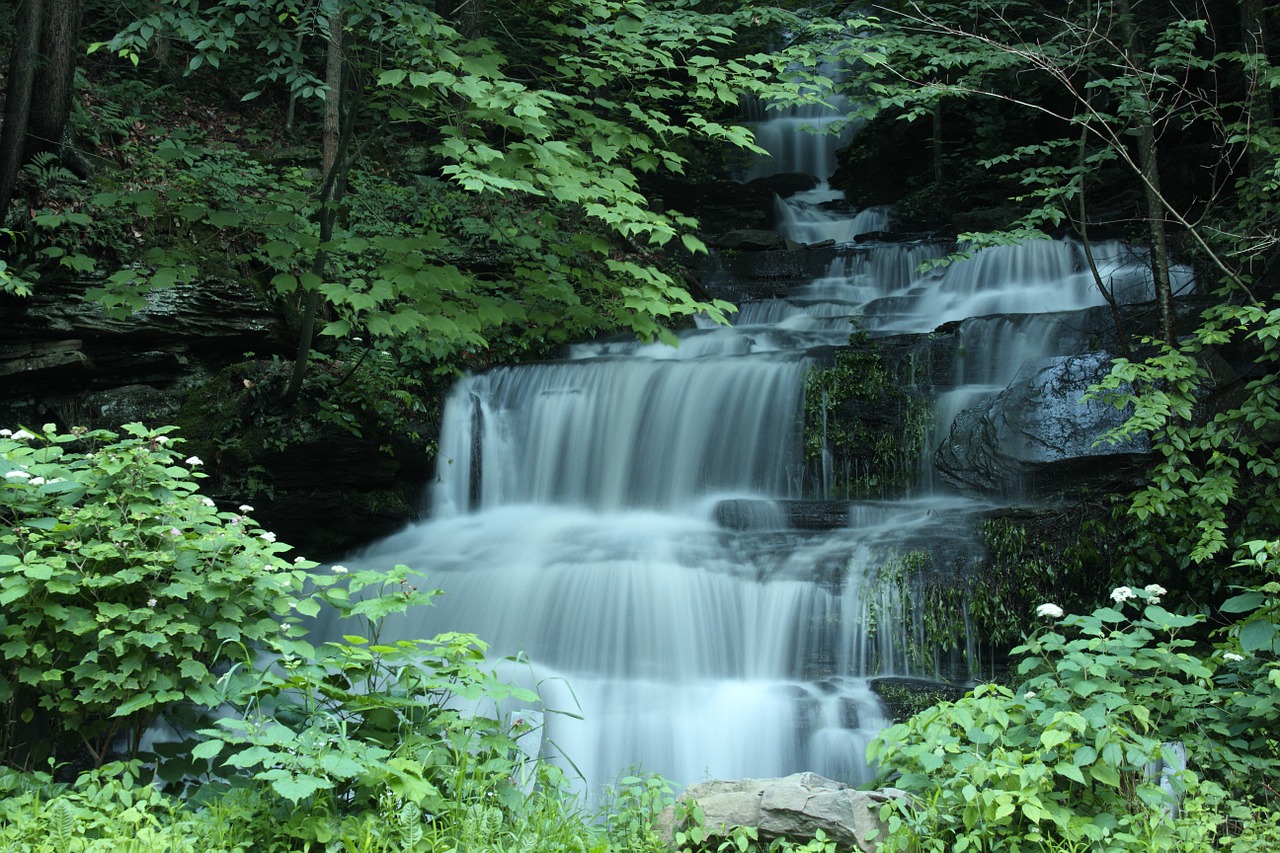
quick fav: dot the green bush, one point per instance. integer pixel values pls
(128, 596)
(124, 591)
(1082, 755)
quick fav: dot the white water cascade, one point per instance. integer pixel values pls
(619, 518)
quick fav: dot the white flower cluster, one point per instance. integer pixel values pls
(1049, 611)
(1121, 594)
(1154, 593)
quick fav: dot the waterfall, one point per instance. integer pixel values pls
(620, 518)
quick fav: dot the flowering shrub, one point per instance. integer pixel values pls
(128, 596)
(123, 591)
(1084, 753)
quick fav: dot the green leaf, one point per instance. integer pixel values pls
(1071, 771)
(1243, 603)
(1054, 737)
(1257, 635)
(207, 749)
(1106, 774)
(297, 788)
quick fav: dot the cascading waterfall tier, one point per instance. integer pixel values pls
(620, 519)
(579, 520)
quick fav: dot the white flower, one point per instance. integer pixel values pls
(15, 474)
(1155, 592)
(1030, 694)
(1122, 594)
(151, 602)
(194, 460)
(1233, 657)
(245, 508)
(339, 570)
(5, 433)
(22, 435)
(297, 560)
(208, 501)
(162, 439)
(175, 532)
(1049, 611)
(37, 481)
(269, 536)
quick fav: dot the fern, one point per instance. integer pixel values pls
(48, 174)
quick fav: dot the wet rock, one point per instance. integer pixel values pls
(745, 514)
(754, 240)
(1037, 437)
(784, 185)
(904, 696)
(794, 807)
(59, 340)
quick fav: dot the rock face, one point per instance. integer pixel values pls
(794, 807)
(1036, 436)
(192, 356)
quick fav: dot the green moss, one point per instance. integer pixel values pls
(857, 418)
(903, 698)
(922, 608)
(1057, 556)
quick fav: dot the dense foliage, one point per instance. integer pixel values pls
(439, 186)
(1123, 733)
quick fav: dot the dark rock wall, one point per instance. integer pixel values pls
(192, 357)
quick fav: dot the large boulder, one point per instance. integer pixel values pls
(794, 807)
(1038, 437)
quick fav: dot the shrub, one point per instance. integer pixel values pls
(125, 592)
(1083, 754)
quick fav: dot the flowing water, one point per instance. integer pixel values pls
(620, 517)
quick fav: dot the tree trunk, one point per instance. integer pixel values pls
(1253, 31)
(22, 72)
(937, 144)
(1149, 168)
(467, 15)
(330, 191)
(1156, 228)
(53, 86)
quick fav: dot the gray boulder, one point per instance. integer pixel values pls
(1037, 438)
(794, 807)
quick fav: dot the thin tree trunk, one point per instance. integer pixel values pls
(335, 142)
(17, 108)
(1149, 165)
(467, 16)
(937, 143)
(1156, 228)
(1253, 28)
(1082, 227)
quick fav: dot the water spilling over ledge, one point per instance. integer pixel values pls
(640, 524)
